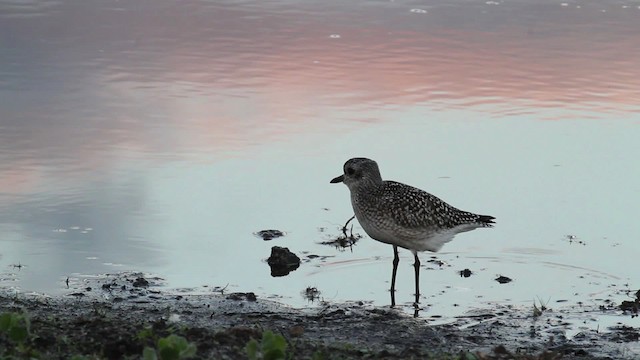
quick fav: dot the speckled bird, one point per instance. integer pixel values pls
(402, 215)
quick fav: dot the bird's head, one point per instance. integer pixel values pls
(359, 172)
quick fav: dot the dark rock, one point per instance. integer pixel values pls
(465, 273)
(503, 279)
(282, 261)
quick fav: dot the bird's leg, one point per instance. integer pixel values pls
(396, 260)
(344, 228)
(416, 266)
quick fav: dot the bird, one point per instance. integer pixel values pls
(403, 216)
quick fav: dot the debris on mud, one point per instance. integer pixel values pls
(345, 240)
(282, 261)
(267, 235)
(574, 239)
(342, 242)
(311, 293)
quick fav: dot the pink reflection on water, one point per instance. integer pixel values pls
(161, 80)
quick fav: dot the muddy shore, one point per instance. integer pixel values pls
(118, 317)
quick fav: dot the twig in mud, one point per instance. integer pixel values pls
(346, 240)
(221, 290)
(537, 311)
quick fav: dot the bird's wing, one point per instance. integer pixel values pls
(417, 208)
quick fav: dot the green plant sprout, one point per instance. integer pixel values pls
(271, 347)
(172, 347)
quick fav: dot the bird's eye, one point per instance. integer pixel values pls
(350, 171)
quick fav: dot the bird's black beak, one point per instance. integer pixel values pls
(339, 179)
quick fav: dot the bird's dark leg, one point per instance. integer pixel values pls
(396, 260)
(416, 266)
(344, 228)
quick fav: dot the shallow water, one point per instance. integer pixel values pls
(159, 136)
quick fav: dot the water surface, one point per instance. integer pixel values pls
(158, 136)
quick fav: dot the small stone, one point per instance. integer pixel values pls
(282, 261)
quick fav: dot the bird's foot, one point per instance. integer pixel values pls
(416, 309)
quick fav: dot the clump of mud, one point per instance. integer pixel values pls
(267, 235)
(631, 306)
(503, 279)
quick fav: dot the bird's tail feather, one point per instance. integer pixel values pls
(486, 220)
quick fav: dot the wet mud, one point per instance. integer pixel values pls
(118, 315)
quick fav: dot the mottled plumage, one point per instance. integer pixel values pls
(402, 215)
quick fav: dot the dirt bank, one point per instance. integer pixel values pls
(119, 315)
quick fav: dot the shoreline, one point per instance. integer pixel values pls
(106, 321)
